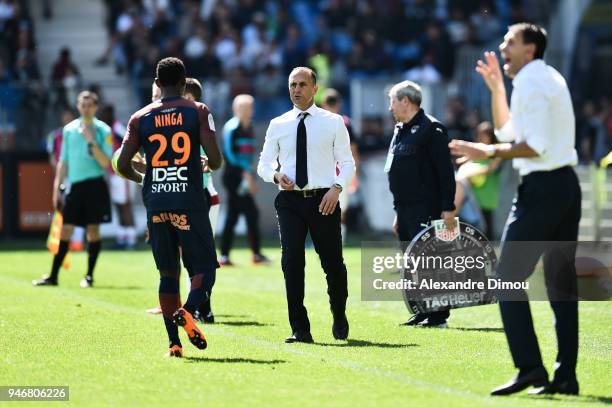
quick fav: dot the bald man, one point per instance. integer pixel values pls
(239, 179)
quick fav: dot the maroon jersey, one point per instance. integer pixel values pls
(169, 130)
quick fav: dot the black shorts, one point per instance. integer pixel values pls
(188, 229)
(88, 203)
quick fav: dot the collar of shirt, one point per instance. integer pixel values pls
(407, 125)
(531, 69)
(312, 110)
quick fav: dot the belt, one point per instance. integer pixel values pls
(535, 174)
(309, 193)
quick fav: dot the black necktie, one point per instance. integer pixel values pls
(301, 167)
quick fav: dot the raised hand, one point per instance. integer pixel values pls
(491, 72)
(87, 134)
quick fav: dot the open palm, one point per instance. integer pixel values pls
(491, 71)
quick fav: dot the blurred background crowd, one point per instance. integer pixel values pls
(249, 46)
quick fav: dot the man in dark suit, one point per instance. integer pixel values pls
(421, 176)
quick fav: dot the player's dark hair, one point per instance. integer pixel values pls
(193, 86)
(170, 71)
(532, 34)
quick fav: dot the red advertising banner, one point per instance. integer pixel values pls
(35, 189)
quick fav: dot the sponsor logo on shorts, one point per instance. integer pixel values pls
(178, 221)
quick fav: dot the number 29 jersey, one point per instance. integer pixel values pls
(170, 131)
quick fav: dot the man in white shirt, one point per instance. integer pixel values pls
(540, 123)
(307, 142)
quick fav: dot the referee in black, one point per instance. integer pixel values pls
(539, 131)
(308, 141)
(421, 176)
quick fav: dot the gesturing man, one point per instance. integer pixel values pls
(308, 142)
(540, 121)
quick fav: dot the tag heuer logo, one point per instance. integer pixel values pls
(414, 129)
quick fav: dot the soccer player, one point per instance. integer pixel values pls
(239, 179)
(170, 130)
(85, 155)
(122, 191)
(193, 92)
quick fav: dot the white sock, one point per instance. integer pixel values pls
(120, 238)
(130, 235)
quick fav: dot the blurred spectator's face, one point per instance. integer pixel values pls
(589, 109)
(155, 92)
(67, 117)
(302, 89)
(483, 137)
(244, 111)
(333, 108)
(87, 108)
(515, 53)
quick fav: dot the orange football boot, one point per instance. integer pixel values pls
(183, 318)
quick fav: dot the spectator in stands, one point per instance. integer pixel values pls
(457, 26)
(65, 78)
(437, 46)
(483, 177)
(486, 23)
(455, 117)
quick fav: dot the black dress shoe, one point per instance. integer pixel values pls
(537, 377)
(304, 337)
(45, 280)
(557, 387)
(340, 328)
(415, 319)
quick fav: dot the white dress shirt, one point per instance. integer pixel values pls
(541, 115)
(327, 143)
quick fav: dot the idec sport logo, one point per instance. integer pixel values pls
(178, 221)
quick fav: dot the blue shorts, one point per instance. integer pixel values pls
(189, 230)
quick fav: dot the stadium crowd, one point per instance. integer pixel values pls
(251, 45)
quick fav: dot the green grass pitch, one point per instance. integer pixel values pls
(102, 344)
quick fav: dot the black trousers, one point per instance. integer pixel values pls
(296, 217)
(547, 208)
(237, 205)
(412, 219)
